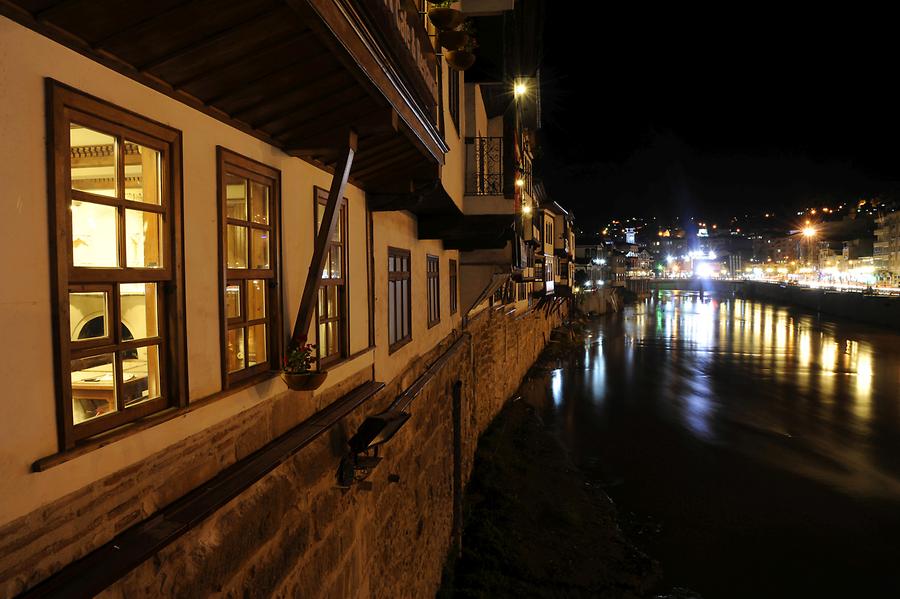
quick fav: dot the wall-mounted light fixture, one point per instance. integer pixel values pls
(362, 458)
(519, 89)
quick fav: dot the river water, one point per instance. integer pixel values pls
(753, 449)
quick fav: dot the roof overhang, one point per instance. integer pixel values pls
(294, 73)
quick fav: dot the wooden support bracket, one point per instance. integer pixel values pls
(326, 230)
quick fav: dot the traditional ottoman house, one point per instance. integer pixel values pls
(192, 191)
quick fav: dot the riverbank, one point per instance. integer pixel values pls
(533, 525)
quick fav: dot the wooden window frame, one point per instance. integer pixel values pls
(433, 288)
(454, 286)
(66, 105)
(453, 97)
(397, 275)
(230, 162)
(320, 199)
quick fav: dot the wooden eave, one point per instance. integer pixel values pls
(468, 233)
(296, 74)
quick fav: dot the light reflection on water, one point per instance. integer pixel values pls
(766, 440)
(727, 366)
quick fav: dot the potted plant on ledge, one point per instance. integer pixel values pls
(464, 58)
(296, 373)
(442, 16)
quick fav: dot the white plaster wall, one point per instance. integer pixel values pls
(29, 431)
(398, 229)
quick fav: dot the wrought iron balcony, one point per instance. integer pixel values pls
(484, 166)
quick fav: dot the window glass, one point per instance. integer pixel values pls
(93, 161)
(259, 256)
(233, 300)
(143, 239)
(256, 299)
(259, 203)
(256, 345)
(235, 197)
(236, 241)
(139, 309)
(94, 230)
(140, 375)
(93, 387)
(87, 315)
(142, 173)
(234, 349)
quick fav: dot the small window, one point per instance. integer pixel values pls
(251, 319)
(454, 297)
(116, 200)
(433, 280)
(399, 309)
(331, 307)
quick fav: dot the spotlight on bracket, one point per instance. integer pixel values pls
(362, 458)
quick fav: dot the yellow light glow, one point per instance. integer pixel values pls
(809, 232)
(526, 209)
(520, 89)
(520, 182)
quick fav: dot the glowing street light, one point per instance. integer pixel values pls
(519, 89)
(809, 232)
(526, 208)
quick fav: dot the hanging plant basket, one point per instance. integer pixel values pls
(460, 59)
(445, 18)
(305, 381)
(453, 40)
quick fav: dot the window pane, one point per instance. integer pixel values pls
(392, 310)
(235, 197)
(93, 157)
(323, 341)
(233, 301)
(404, 307)
(236, 241)
(259, 257)
(256, 299)
(87, 315)
(93, 387)
(334, 258)
(234, 349)
(331, 333)
(259, 203)
(256, 345)
(94, 228)
(333, 310)
(143, 239)
(142, 173)
(139, 309)
(140, 374)
(338, 232)
(323, 313)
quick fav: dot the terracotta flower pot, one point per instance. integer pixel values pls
(459, 59)
(306, 381)
(445, 18)
(453, 40)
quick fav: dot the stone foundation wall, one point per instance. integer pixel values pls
(294, 533)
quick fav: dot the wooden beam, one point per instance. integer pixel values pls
(326, 139)
(329, 221)
(206, 42)
(411, 153)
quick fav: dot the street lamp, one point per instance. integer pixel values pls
(519, 89)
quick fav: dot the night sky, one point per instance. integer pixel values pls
(716, 113)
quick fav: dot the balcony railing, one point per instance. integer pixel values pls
(484, 166)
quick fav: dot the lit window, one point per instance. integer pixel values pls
(251, 323)
(116, 201)
(331, 306)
